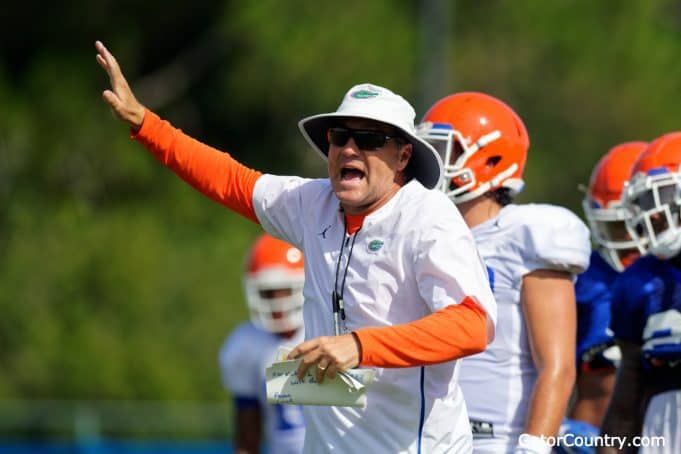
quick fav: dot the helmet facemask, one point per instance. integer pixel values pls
(459, 182)
(617, 245)
(275, 299)
(655, 205)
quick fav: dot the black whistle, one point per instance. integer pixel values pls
(337, 304)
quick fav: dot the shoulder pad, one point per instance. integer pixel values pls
(552, 237)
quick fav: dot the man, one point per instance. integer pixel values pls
(391, 267)
(597, 354)
(518, 389)
(273, 284)
(646, 306)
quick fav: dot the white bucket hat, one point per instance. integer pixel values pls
(377, 103)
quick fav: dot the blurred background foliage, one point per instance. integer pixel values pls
(117, 281)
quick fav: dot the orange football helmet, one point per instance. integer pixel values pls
(483, 144)
(653, 195)
(603, 205)
(273, 283)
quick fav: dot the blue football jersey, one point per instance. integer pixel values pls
(579, 435)
(646, 309)
(593, 294)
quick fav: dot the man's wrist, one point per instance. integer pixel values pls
(137, 119)
(359, 347)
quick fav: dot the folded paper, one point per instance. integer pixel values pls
(348, 388)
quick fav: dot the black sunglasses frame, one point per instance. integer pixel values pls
(365, 139)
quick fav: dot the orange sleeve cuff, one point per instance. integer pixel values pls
(212, 172)
(456, 331)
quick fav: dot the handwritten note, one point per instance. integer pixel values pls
(346, 389)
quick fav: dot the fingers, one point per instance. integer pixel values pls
(326, 355)
(102, 62)
(321, 371)
(311, 354)
(301, 349)
(111, 99)
(120, 98)
(106, 60)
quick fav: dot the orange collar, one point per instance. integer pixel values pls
(353, 222)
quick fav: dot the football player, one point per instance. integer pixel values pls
(597, 354)
(273, 285)
(646, 305)
(518, 389)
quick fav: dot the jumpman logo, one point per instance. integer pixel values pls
(323, 232)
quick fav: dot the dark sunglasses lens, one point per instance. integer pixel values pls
(369, 140)
(365, 140)
(339, 136)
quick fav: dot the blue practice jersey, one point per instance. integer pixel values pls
(646, 309)
(593, 291)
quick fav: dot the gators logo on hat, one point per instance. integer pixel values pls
(364, 94)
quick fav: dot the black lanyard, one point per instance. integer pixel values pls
(337, 297)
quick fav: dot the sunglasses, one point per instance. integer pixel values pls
(365, 139)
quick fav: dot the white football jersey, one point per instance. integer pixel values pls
(243, 358)
(497, 382)
(413, 256)
(662, 424)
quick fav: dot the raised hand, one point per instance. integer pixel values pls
(120, 98)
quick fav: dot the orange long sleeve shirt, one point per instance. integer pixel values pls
(450, 333)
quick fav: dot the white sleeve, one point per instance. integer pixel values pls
(277, 201)
(448, 266)
(555, 239)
